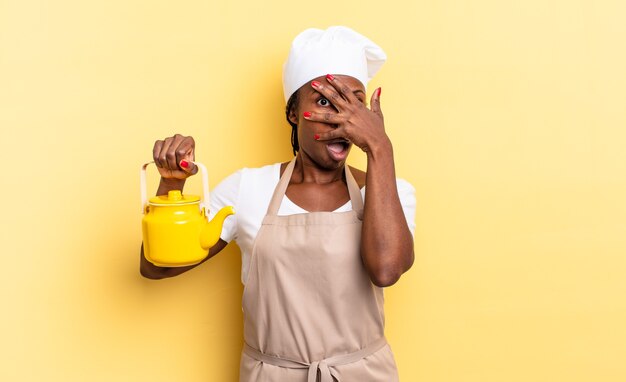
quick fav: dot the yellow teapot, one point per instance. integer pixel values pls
(176, 228)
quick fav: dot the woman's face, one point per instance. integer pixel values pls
(326, 154)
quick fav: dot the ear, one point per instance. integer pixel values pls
(293, 116)
(294, 102)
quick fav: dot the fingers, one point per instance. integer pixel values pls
(329, 117)
(156, 153)
(330, 94)
(167, 155)
(338, 93)
(175, 155)
(184, 155)
(332, 134)
(189, 167)
(375, 102)
(342, 89)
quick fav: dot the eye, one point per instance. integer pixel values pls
(323, 102)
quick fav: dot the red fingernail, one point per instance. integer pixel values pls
(315, 84)
(330, 77)
(379, 90)
(184, 164)
(307, 114)
(316, 136)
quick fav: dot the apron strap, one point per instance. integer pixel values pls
(353, 189)
(324, 366)
(280, 189)
(355, 194)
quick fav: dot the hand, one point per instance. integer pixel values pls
(174, 157)
(352, 120)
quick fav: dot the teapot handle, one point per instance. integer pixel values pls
(204, 204)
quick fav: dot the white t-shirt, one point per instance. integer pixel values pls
(250, 190)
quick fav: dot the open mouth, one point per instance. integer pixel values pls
(338, 149)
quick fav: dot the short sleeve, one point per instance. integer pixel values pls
(226, 193)
(406, 193)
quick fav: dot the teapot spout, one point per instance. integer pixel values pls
(211, 232)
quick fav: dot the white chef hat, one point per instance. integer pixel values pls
(336, 50)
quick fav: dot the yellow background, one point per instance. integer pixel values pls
(507, 116)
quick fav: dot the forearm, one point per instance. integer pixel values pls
(151, 271)
(386, 241)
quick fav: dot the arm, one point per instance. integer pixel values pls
(151, 271)
(386, 241)
(174, 158)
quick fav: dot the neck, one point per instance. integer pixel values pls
(307, 171)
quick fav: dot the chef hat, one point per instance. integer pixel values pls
(336, 50)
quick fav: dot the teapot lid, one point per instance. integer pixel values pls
(174, 197)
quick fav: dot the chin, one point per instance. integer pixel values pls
(333, 163)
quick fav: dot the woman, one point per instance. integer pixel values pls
(316, 253)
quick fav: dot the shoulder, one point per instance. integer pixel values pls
(253, 179)
(244, 177)
(268, 171)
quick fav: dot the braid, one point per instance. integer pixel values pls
(292, 103)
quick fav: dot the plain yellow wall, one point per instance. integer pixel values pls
(507, 116)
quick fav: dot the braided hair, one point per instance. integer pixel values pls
(292, 103)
